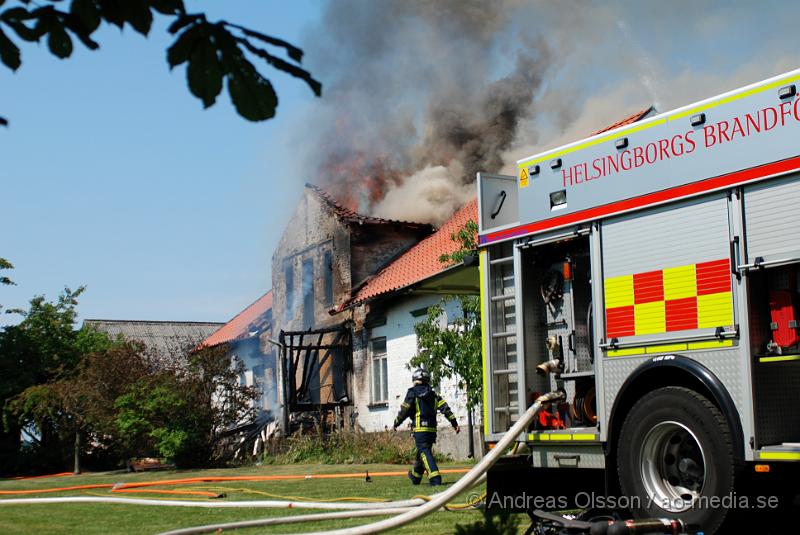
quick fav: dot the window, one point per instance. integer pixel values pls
(288, 277)
(308, 293)
(380, 384)
(328, 274)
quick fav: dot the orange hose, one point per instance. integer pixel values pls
(140, 484)
(60, 474)
(272, 478)
(108, 486)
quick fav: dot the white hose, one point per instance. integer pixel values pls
(471, 478)
(286, 520)
(409, 510)
(277, 504)
(460, 485)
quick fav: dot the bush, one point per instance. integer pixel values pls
(150, 420)
(180, 413)
(346, 447)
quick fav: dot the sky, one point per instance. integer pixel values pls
(114, 177)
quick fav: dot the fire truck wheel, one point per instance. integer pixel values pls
(675, 458)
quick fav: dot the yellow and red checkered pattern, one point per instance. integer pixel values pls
(695, 296)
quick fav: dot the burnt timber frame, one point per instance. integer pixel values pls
(301, 360)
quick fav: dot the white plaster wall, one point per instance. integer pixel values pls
(401, 346)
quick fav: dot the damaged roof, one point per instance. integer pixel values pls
(244, 323)
(418, 263)
(350, 216)
(421, 261)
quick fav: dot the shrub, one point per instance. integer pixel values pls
(180, 413)
(345, 447)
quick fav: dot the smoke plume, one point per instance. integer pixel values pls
(417, 101)
(421, 95)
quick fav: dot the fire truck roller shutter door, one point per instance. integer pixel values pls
(668, 269)
(767, 236)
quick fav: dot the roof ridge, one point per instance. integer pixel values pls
(330, 200)
(351, 215)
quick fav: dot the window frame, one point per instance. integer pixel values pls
(382, 360)
(288, 281)
(328, 277)
(309, 288)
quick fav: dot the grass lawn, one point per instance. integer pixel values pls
(112, 518)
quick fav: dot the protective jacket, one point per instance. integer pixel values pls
(421, 404)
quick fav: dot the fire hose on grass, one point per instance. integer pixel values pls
(346, 503)
(406, 510)
(280, 501)
(403, 516)
(124, 487)
(244, 504)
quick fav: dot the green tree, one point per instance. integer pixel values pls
(151, 417)
(181, 413)
(453, 350)
(85, 399)
(36, 355)
(214, 51)
(467, 239)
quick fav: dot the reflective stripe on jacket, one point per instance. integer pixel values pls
(421, 404)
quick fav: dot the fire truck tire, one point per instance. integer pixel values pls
(675, 458)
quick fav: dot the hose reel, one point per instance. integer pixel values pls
(583, 407)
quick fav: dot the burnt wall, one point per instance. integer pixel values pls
(313, 251)
(374, 246)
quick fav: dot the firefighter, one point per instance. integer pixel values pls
(420, 405)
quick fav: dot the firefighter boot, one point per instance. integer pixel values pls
(435, 481)
(414, 480)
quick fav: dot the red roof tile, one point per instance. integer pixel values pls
(419, 262)
(638, 116)
(239, 326)
(351, 216)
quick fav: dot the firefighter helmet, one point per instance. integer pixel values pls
(421, 375)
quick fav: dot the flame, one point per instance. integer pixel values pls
(359, 181)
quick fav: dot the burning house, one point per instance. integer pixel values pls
(326, 252)
(348, 291)
(390, 304)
